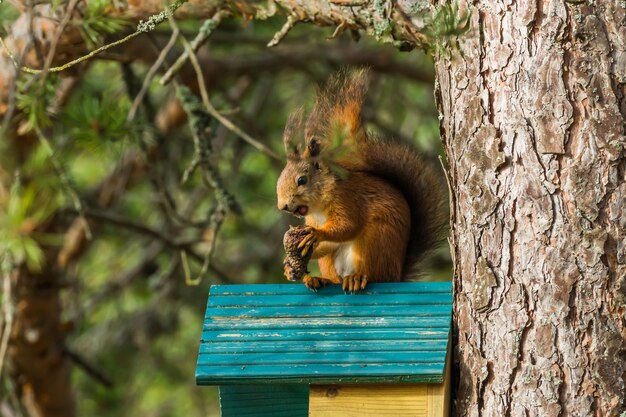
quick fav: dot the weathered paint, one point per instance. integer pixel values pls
(260, 334)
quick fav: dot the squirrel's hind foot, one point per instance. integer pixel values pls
(354, 283)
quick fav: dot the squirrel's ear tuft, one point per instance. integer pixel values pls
(336, 115)
(340, 101)
(291, 128)
(349, 104)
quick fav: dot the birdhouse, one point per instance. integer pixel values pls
(285, 351)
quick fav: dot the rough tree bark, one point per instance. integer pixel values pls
(533, 123)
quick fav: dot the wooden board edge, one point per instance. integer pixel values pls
(439, 394)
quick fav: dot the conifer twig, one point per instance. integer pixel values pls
(8, 309)
(65, 181)
(142, 27)
(151, 72)
(199, 121)
(55, 40)
(217, 115)
(207, 28)
(87, 367)
(289, 24)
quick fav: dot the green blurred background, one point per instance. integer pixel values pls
(134, 317)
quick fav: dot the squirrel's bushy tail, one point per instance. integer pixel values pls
(422, 183)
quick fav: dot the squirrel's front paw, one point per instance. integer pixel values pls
(309, 242)
(313, 283)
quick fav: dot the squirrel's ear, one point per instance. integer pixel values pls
(293, 124)
(313, 148)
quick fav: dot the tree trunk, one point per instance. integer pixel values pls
(534, 130)
(38, 363)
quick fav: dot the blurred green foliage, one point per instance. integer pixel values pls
(18, 218)
(445, 25)
(32, 98)
(141, 330)
(96, 22)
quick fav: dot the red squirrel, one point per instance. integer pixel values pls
(372, 207)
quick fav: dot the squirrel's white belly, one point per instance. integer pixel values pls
(344, 259)
(319, 217)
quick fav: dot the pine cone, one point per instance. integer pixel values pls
(295, 265)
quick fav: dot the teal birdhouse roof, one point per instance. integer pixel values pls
(392, 332)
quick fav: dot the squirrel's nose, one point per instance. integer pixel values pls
(283, 205)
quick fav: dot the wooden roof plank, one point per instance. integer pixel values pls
(372, 288)
(299, 335)
(309, 300)
(424, 345)
(325, 322)
(332, 311)
(308, 358)
(320, 373)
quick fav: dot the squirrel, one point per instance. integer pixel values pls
(373, 207)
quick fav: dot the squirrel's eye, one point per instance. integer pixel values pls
(302, 180)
